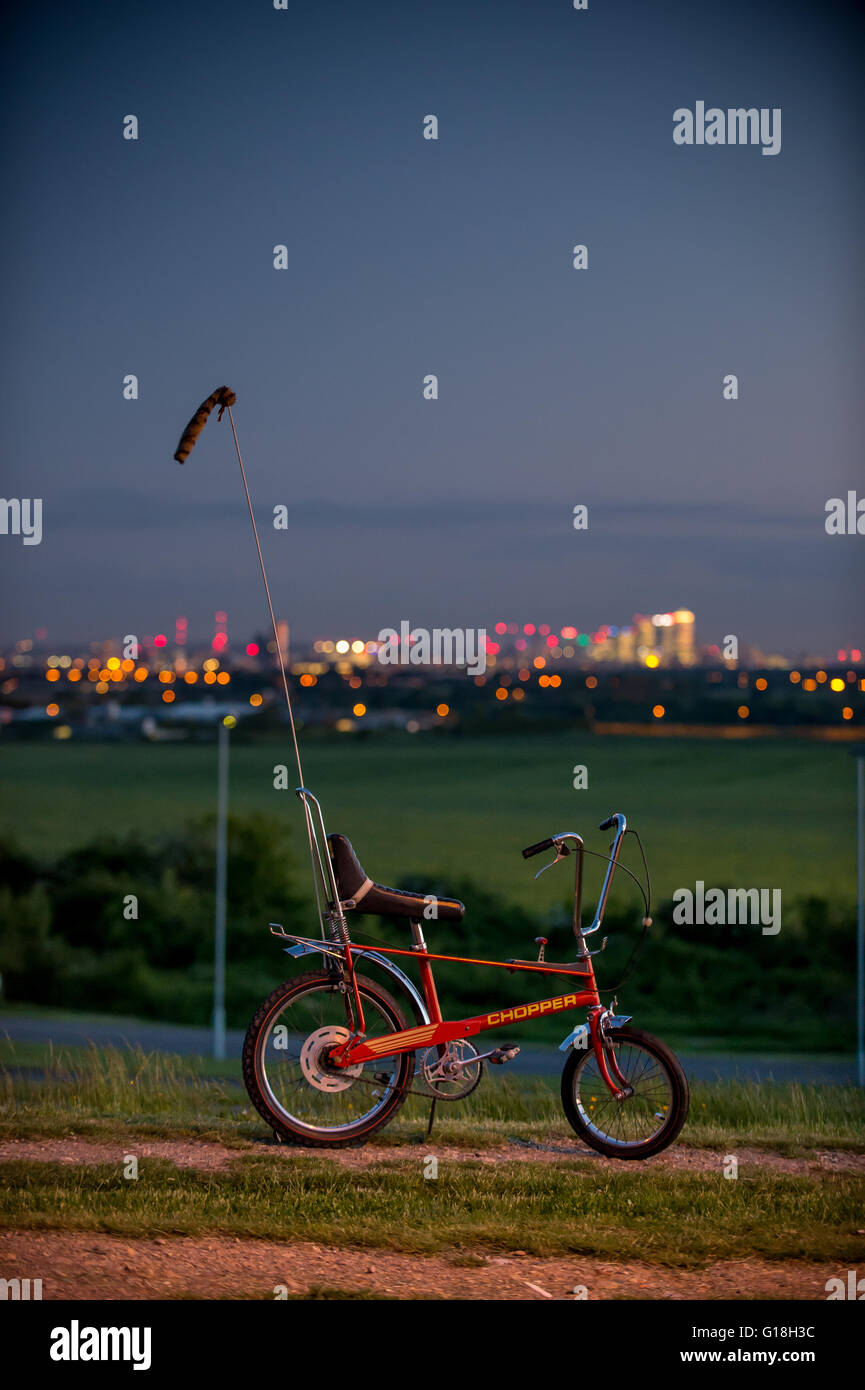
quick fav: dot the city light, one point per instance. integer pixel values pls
(662, 642)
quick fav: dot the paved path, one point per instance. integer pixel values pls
(533, 1060)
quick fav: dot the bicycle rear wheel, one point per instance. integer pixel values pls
(286, 1072)
(644, 1123)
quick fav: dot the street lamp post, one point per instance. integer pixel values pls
(219, 912)
(858, 752)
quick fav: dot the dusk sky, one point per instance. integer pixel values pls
(408, 256)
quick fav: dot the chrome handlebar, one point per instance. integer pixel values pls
(563, 848)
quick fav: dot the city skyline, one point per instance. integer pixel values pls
(651, 640)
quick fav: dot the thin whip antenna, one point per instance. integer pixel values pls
(269, 601)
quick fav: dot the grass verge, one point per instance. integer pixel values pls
(569, 1208)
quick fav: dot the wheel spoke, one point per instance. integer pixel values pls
(298, 1084)
(637, 1120)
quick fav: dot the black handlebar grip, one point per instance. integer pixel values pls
(537, 849)
(606, 824)
(223, 396)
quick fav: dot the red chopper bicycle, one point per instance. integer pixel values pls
(331, 1055)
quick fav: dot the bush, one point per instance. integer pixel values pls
(65, 941)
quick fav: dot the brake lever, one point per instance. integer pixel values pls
(562, 852)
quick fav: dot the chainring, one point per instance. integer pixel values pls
(453, 1075)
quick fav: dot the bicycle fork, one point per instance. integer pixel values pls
(605, 1055)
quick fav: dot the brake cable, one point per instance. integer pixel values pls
(647, 920)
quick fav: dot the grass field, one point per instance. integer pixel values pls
(46, 1091)
(679, 1214)
(775, 815)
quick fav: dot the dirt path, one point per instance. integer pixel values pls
(211, 1157)
(76, 1265)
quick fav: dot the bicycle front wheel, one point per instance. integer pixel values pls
(644, 1123)
(286, 1072)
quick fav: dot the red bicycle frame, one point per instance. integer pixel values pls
(438, 1031)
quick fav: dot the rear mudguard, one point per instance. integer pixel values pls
(581, 1038)
(407, 985)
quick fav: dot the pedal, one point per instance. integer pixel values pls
(506, 1053)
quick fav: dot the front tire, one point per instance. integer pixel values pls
(646, 1122)
(285, 1070)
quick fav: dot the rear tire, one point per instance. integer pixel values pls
(277, 1073)
(642, 1125)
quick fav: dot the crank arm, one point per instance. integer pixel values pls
(439, 1075)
